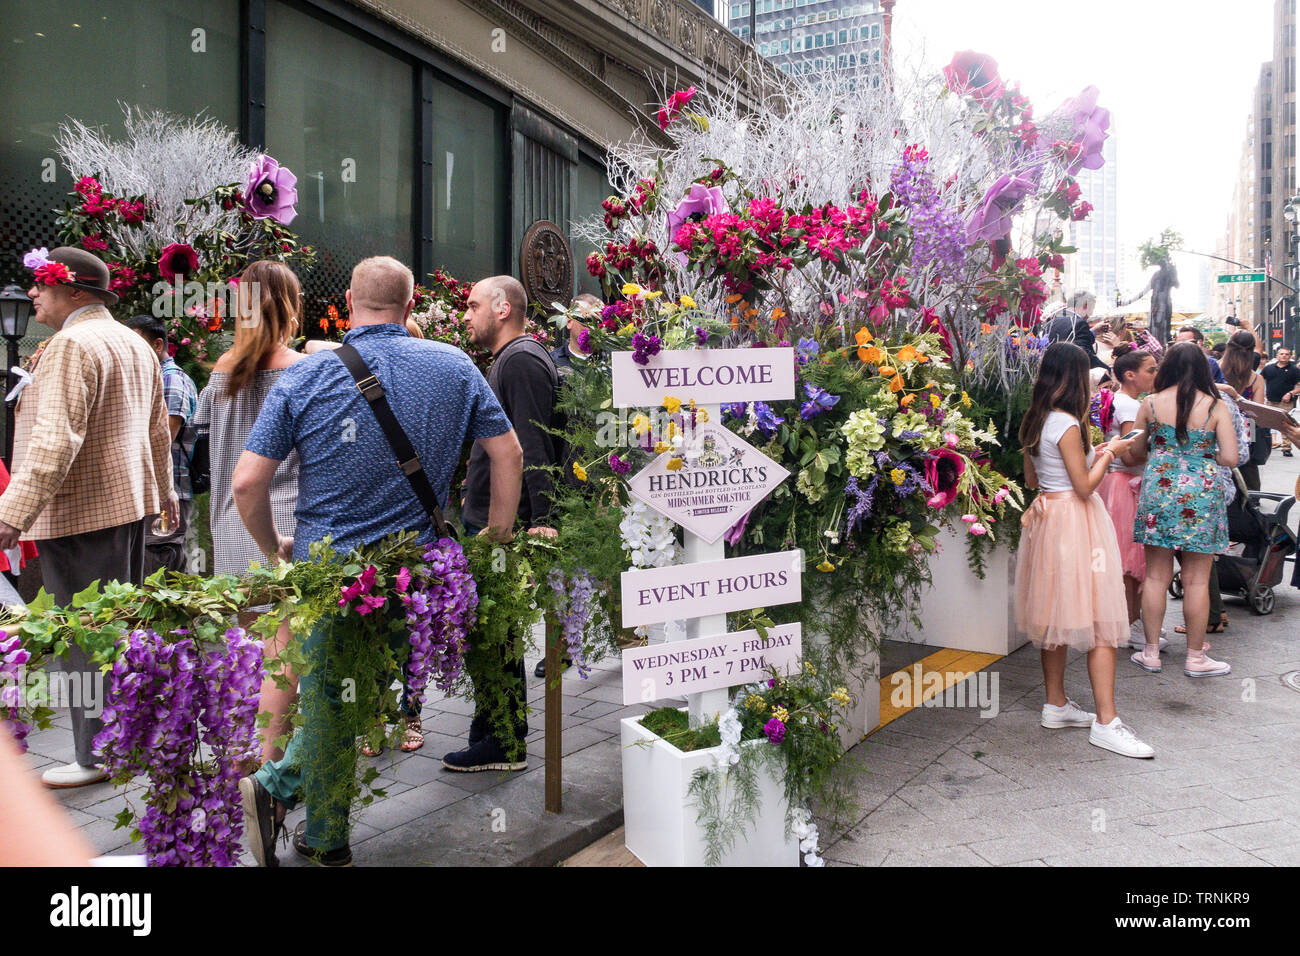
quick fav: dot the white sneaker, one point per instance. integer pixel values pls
(1138, 637)
(73, 775)
(1117, 738)
(1071, 715)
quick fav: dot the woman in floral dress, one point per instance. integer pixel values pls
(1189, 432)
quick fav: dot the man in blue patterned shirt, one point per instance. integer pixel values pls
(351, 488)
(166, 548)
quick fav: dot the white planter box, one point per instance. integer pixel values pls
(963, 612)
(661, 819)
(864, 715)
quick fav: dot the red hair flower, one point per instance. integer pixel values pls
(53, 273)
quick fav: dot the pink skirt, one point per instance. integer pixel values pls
(1119, 494)
(1069, 582)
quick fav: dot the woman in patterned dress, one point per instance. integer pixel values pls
(228, 406)
(1189, 432)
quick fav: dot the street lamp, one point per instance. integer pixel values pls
(15, 310)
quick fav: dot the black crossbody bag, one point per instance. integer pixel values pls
(370, 389)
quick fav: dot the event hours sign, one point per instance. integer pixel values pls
(707, 376)
(719, 477)
(653, 595)
(707, 663)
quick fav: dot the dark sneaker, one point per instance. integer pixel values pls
(340, 856)
(486, 754)
(477, 729)
(259, 821)
(540, 669)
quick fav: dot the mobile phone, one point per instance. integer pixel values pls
(1131, 435)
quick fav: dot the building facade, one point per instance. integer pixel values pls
(1095, 264)
(436, 131)
(812, 37)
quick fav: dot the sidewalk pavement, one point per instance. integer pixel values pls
(942, 786)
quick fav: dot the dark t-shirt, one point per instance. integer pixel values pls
(1279, 380)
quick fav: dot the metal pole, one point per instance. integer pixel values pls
(10, 381)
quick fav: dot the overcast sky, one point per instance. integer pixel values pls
(1177, 76)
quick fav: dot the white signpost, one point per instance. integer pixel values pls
(720, 478)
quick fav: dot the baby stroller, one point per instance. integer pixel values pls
(1263, 543)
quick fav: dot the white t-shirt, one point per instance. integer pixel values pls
(1123, 409)
(1049, 464)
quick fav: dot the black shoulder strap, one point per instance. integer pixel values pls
(407, 459)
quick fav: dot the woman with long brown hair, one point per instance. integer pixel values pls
(1238, 365)
(268, 303)
(1069, 587)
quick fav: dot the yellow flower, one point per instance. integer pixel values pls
(898, 476)
(673, 405)
(687, 302)
(631, 288)
(661, 447)
(807, 665)
(627, 329)
(641, 423)
(653, 295)
(672, 430)
(701, 414)
(579, 472)
(826, 567)
(841, 696)
(756, 702)
(935, 400)
(781, 714)
(674, 464)
(965, 400)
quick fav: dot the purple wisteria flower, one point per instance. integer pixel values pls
(573, 598)
(819, 400)
(271, 191)
(862, 501)
(1003, 200)
(938, 233)
(440, 611)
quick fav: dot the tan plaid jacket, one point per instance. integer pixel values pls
(91, 447)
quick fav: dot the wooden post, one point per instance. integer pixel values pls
(554, 716)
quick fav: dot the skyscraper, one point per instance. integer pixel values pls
(812, 37)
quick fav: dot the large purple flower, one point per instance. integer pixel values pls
(700, 201)
(943, 471)
(992, 220)
(1088, 125)
(271, 191)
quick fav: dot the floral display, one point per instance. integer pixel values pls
(176, 209)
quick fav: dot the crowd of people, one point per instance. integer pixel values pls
(1111, 518)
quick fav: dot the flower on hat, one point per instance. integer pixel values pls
(36, 258)
(53, 273)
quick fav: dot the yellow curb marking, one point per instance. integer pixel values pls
(951, 665)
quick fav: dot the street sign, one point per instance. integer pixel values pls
(718, 478)
(706, 663)
(1241, 277)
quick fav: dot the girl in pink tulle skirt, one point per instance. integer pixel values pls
(1069, 578)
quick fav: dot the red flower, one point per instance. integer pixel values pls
(94, 242)
(669, 112)
(974, 74)
(177, 261)
(53, 273)
(88, 187)
(1081, 211)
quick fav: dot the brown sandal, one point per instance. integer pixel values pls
(1210, 629)
(413, 738)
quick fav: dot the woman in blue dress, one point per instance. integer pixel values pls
(1189, 432)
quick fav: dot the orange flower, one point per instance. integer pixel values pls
(922, 357)
(735, 322)
(888, 370)
(906, 354)
(870, 355)
(863, 336)
(985, 328)
(324, 324)
(896, 383)
(733, 298)
(906, 400)
(778, 314)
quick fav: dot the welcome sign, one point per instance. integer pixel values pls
(708, 376)
(654, 595)
(706, 663)
(719, 478)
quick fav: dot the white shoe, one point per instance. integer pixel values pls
(1071, 715)
(1138, 637)
(1117, 738)
(73, 775)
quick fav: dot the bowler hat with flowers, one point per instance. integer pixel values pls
(73, 267)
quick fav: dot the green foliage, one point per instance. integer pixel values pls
(674, 726)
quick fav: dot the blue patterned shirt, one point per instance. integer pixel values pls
(182, 399)
(349, 484)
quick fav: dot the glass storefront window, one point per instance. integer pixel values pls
(340, 113)
(471, 185)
